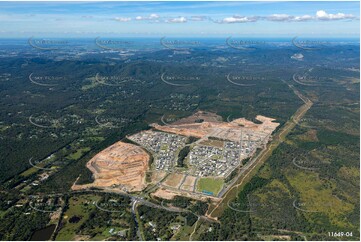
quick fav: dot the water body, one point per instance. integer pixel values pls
(43, 234)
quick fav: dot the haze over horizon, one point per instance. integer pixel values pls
(153, 19)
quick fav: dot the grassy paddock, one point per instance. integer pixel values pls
(213, 185)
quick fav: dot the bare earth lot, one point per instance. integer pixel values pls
(174, 180)
(157, 176)
(121, 164)
(188, 183)
(170, 194)
(231, 131)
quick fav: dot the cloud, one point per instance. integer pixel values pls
(153, 16)
(288, 18)
(238, 19)
(177, 20)
(280, 17)
(303, 18)
(122, 19)
(198, 18)
(322, 15)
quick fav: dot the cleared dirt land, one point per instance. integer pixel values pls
(157, 176)
(232, 131)
(168, 194)
(174, 180)
(121, 164)
(165, 194)
(188, 183)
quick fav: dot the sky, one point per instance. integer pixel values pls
(148, 19)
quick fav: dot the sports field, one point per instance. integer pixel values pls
(210, 185)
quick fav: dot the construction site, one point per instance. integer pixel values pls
(121, 166)
(215, 151)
